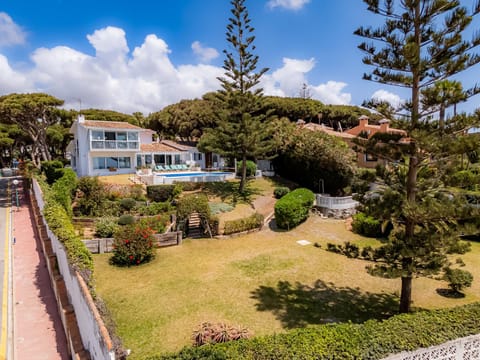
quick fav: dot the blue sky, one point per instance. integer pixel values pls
(143, 55)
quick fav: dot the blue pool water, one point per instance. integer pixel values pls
(203, 173)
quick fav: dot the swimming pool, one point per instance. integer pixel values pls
(197, 176)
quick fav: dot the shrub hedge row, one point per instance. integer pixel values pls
(254, 221)
(160, 193)
(60, 224)
(292, 209)
(370, 340)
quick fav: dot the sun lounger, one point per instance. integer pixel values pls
(183, 167)
(167, 167)
(159, 168)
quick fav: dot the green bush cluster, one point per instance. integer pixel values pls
(190, 185)
(251, 168)
(292, 209)
(60, 224)
(370, 340)
(133, 245)
(366, 225)
(63, 190)
(128, 204)
(157, 223)
(254, 221)
(466, 179)
(160, 193)
(154, 208)
(52, 169)
(458, 279)
(280, 192)
(92, 201)
(193, 203)
(126, 220)
(105, 227)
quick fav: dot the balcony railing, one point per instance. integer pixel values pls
(114, 145)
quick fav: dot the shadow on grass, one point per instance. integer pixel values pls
(228, 191)
(451, 294)
(298, 305)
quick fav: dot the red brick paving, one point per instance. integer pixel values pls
(38, 332)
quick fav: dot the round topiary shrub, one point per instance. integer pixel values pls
(105, 227)
(127, 204)
(458, 279)
(126, 220)
(280, 192)
(133, 245)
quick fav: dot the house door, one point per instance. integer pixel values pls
(208, 160)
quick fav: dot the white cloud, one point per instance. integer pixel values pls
(10, 33)
(10, 80)
(287, 4)
(205, 54)
(331, 93)
(143, 79)
(391, 98)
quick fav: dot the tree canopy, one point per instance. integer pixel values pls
(420, 44)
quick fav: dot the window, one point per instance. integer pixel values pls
(159, 159)
(97, 135)
(114, 140)
(100, 163)
(132, 136)
(139, 160)
(148, 159)
(197, 156)
(177, 159)
(110, 135)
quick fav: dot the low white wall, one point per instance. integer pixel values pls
(94, 336)
(467, 348)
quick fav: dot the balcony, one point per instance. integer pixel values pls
(114, 145)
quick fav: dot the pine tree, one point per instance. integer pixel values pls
(421, 43)
(242, 130)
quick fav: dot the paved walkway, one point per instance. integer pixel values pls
(38, 332)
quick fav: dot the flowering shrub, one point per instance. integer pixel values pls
(133, 245)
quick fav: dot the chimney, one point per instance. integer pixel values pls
(363, 121)
(384, 125)
(81, 118)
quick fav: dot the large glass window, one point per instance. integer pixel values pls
(110, 135)
(139, 160)
(177, 159)
(132, 136)
(114, 140)
(159, 159)
(112, 162)
(148, 159)
(97, 134)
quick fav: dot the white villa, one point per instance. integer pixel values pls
(108, 147)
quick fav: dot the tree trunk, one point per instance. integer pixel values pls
(406, 295)
(244, 174)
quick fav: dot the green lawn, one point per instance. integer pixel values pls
(264, 281)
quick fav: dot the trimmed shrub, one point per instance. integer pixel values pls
(458, 279)
(154, 208)
(160, 193)
(63, 190)
(254, 221)
(251, 168)
(53, 170)
(366, 225)
(209, 333)
(292, 209)
(128, 204)
(105, 227)
(280, 192)
(371, 340)
(190, 186)
(126, 220)
(133, 245)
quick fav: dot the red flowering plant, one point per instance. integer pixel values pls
(133, 245)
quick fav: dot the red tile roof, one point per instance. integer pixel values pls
(327, 130)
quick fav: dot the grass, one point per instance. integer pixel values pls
(264, 281)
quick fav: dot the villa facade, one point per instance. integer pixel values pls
(108, 147)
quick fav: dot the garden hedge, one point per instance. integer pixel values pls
(370, 340)
(366, 225)
(251, 168)
(160, 193)
(292, 209)
(60, 224)
(251, 222)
